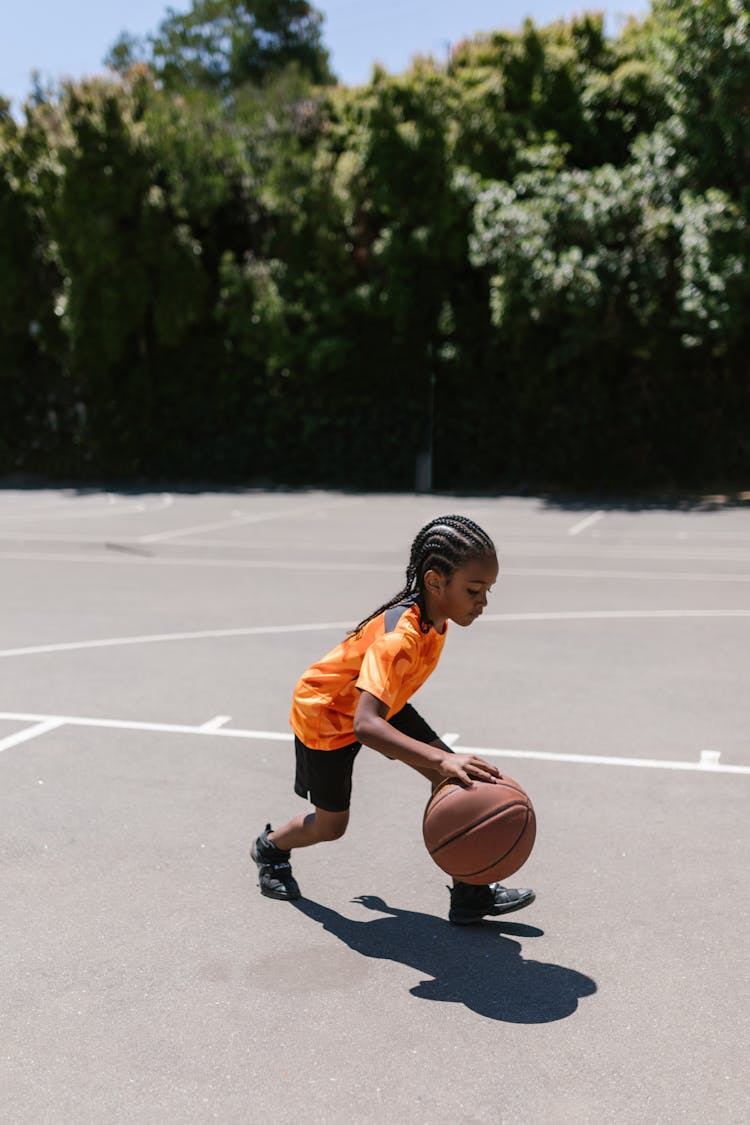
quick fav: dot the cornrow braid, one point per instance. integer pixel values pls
(444, 544)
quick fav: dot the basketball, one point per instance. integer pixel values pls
(481, 834)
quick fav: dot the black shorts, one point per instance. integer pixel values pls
(325, 776)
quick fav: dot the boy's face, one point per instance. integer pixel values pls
(462, 597)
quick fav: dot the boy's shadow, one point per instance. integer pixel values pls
(478, 966)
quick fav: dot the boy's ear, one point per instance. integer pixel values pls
(433, 581)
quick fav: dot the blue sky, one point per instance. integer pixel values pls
(69, 38)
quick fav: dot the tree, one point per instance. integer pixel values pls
(703, 47)
(37, 399)
(224, 45)
(618, 296)
(566, 82)
(213, 269)
(134, 188)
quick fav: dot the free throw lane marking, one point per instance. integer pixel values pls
(708, 762)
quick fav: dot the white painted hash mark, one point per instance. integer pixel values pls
(28, 733)
(216, 723)
(449, 738)
(577, 528)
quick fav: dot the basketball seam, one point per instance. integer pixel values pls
(477, 823)
(499, 858)
(451, 787)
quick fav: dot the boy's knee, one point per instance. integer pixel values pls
(331, 826)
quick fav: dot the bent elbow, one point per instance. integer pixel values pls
(360, 729)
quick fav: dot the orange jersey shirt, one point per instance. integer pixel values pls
(391, 658)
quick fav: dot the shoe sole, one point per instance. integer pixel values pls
(280, 897)
(494, 913)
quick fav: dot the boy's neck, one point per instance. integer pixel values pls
(436, 619)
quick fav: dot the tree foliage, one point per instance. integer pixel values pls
(220, 266)
(223, 45)
(703, 49)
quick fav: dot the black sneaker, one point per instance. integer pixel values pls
(274, 869)
(471, 903)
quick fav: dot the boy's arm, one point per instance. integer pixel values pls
(372, 729)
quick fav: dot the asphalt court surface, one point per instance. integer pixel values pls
(148, 647)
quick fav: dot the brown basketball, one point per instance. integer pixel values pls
(480, 834)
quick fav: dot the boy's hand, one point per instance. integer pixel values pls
(373, 902)
(467, 769)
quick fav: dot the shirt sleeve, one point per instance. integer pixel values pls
(387, 665)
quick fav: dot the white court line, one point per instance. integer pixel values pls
(30, 732)
(236, 520)
(159, 638)
(708, 762)
(510, 551)
(645, 575)
(102, 559)
(30, 509)
(131, 724)
(323, 626)
(517, 542)
(229, 564)
(624, 552)
(577, 528)
(127, 508)
(683, 534)
(238, 544)
(239, 520)
(614, 615)
(98, 513)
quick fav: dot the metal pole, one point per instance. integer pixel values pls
(423, 480)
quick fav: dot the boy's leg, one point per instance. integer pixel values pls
(325, 778)
(470, 903)
(275, 877)
(271, 851)
(313, 828)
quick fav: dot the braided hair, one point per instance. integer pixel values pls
(444, 544)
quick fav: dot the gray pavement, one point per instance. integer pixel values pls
(149, 643)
